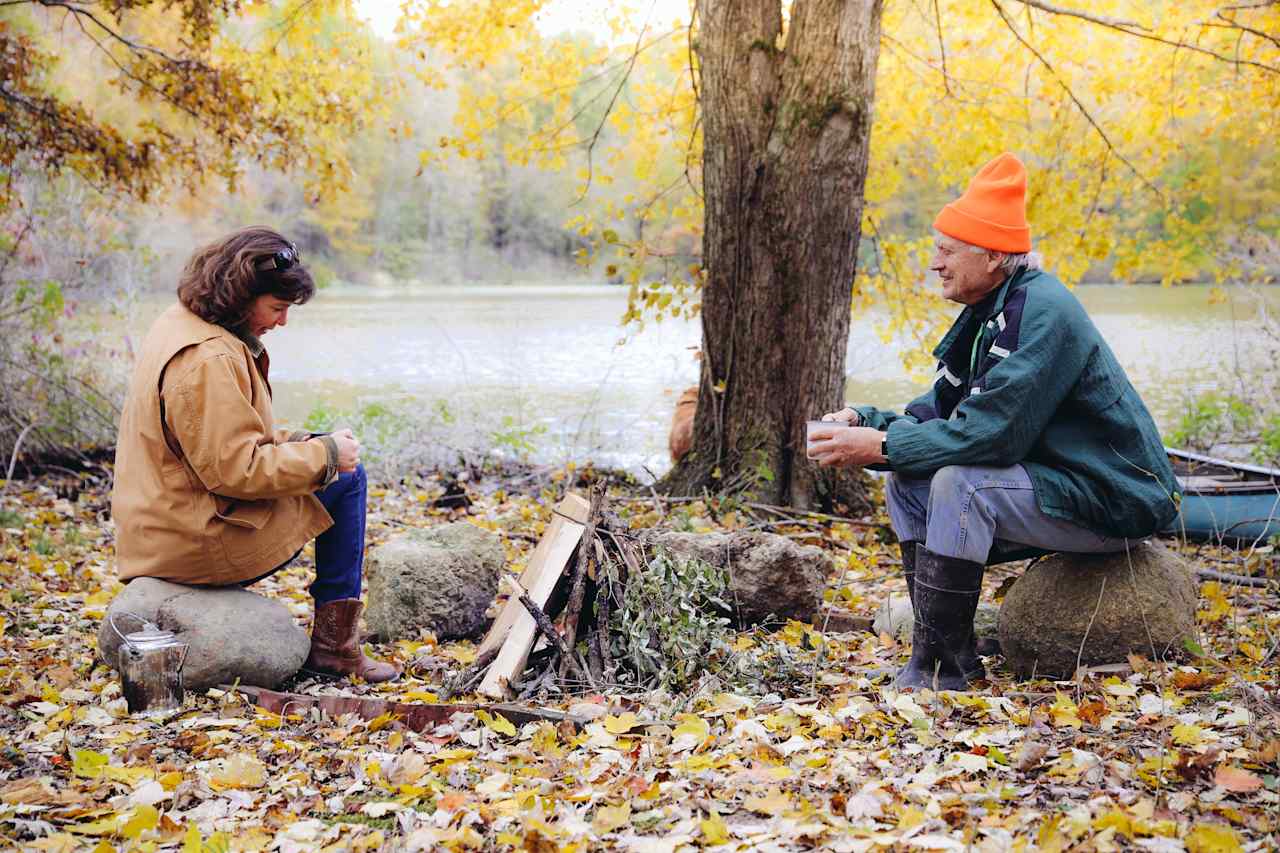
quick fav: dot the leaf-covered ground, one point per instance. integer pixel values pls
(1158, 757)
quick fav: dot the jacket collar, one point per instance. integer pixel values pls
(249, 339)
(990, 306)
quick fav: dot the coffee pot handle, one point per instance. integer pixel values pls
(146, 623)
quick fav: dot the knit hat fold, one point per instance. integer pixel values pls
(992, 213)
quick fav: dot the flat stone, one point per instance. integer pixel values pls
(440, 579)
(1098, 609)
(232, 633)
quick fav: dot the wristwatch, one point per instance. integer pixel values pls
(884, 448)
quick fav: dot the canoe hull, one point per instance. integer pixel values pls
(1238, 518)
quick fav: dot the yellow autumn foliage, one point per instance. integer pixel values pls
(1147, 132)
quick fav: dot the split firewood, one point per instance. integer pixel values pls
(578, 584)
(548, 629)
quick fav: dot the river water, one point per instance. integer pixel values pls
(549, 367)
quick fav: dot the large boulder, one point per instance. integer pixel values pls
(1097, 609)
(231, 633)
(441, 579)
(771, 578)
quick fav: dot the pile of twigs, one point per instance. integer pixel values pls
(574, 653)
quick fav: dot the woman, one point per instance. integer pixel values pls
(206, 490)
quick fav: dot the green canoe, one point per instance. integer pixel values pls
(1222, 501)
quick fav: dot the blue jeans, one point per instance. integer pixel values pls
(962, 510)
(340, 549)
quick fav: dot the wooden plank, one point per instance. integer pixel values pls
(417, 716)
(572, 509)
(546, 566)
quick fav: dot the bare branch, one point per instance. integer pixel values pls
(82, 12)
(1072, 95)
(942, 48)
(1139, 31)
(1233, 24)
(631, 64)
(1104, 20)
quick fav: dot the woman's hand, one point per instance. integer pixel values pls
(847, 415)
(846, 446)
(348, 450)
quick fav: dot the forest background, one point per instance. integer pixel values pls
(535, 141)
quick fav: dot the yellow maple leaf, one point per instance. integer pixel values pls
(1212, 838)
(692, 724)
(1185, 734)
(714, 829)
(139, 821)
(773, 804)
(88, 764)
(104, 826)
(621, 724)
(1064, 712)
(609, 818)
(499, 724)
(911, 817)
(239, 771)
(1252, 651)
(1116, 819)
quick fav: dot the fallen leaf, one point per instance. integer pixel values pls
(1184, 680)
(620, 724)
(609, 818)
(239, 771)
(774, 804)
(714, 829)
(88, 764)
(1236, 779)
(496, 723)
(1212, 838)
(1030, 755)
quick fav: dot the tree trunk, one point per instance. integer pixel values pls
(787, 122)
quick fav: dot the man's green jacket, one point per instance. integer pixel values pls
(1025, 378)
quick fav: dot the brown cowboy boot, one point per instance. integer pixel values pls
(335, 645)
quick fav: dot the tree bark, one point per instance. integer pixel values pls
(787, 122)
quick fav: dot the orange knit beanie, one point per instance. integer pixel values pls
(992, 213)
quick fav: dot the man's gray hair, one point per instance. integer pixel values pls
(1011, 263)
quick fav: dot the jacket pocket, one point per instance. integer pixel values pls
(249, 515)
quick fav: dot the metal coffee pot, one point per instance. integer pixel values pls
(151, 662)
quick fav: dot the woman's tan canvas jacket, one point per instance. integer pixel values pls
(207, 491)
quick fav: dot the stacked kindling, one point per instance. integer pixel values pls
(552, 634)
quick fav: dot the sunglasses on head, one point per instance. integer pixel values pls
(281, 260)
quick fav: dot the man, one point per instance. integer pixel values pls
(207, 491)
(1031, 434)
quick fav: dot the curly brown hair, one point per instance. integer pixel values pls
(223, 278)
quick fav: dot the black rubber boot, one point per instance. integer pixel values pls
(909, 568)
(946, 594)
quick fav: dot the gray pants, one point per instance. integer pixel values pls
(964, 509)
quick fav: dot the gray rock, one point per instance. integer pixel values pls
(1143, 602)
(441, 579)
(771, 578)
(232, 633)
(896, 619)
